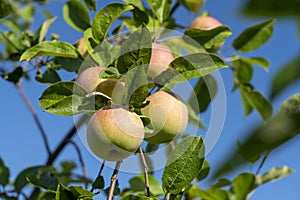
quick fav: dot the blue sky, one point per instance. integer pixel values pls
(21, 145)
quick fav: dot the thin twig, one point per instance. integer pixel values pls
(65, 140)
(35, 117)
(174, 8)
(145, 171)
(113, 181)
(80, 160)
(99, 173)
(263, 161)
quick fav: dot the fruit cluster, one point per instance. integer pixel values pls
(114, 132)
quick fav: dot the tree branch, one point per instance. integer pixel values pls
(145, 171)
(174, 8)
(34, 115)
(113, 181)
(65, 140)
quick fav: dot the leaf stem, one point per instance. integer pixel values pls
(262, 162)
(145, 171)
(113, 181)
(99, 173)
(34, 115)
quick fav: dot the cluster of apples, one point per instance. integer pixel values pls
(114, 132)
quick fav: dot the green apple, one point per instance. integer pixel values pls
(168, 115)
(90, 81)
(82, 47)
(193, 5)
(161, 57)
(114, 133)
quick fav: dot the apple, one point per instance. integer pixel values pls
(168, 115)
(90, 81)
(114, 133)
(82, 47)
(193, 5)
(205, 23)
(161, 57)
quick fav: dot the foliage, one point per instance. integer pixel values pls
(126, 58)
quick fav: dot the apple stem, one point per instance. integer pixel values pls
(113, 181)
(145, 171)
(99, 174)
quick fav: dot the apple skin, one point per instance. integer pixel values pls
(114, 133)
(161, 57)
(82, 47)
(205, 23)
(90, 81)
(168, 115)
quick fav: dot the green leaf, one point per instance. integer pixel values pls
(4, 173)
(42, 31)
(191, 66)
(257, 101)
(183, 164)
(68, 64)
(50, 48)
(204, 171)
(243, 184)
(46, 180)
(138, 4)
(21, 181)
(91, 4)
(15, 75)
(208, 38)
(137, 184)
(271, 135)
(136, 86)
(243, 72)
(259, 61)
(62, 98)
(5, 8)
(99, 183)
(161, 8)
(254, 37)
(80, 193)
(272, 8)
(76, 15)
(139, 197)
(105, 17)
(204, 92)
(193, 5)
(274, 174)
(49, 76)
(193, 117)
(290, 106)
(291, 74)
(222, 182)
(246, 104)
(135, 51)
(210, 194)
(63, 193)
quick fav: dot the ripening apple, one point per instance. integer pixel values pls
(161, 57)
(114, 133)
(90, 81)
(207, 23)
(82, 47)
(168, 115)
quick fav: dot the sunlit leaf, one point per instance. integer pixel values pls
(273, 175)
(161, 8)
(5, 8)
(290, 106)
(254, 37)
(76, 15)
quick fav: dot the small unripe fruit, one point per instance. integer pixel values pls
(161, 57)
(114, 133)
(168, 115)
(82, 47)
(205, 23)
(89, 80)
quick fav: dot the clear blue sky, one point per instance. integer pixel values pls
(21, 145)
